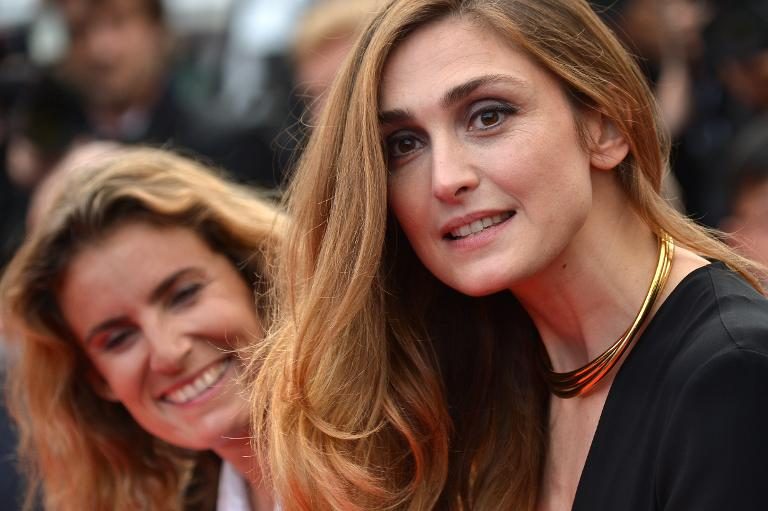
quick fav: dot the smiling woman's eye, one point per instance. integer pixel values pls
(185, 294)
(400, 145)
(116, 339)
(490, 116)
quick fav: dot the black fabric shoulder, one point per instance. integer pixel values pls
(714, 451)
(685, 424)
(743, 311)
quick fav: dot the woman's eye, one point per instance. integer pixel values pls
(403, 145)
(117, 339)
(185, 294)
(490, 117)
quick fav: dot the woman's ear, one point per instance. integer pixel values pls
(100, 385)
(608, 147)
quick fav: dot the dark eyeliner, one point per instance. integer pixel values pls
(490, 106)
(398, 137)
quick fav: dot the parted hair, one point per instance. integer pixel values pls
(380, 388)
(79, 450)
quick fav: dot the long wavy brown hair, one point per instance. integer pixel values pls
(380, 387)
(79, 450)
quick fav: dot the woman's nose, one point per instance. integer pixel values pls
(452, 173)
(169, 352)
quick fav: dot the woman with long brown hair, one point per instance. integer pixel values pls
(127, 303)
(485, 302)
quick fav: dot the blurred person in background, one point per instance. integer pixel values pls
(45, 123)
(666, 37)
(729, 93)
(324, 36)
(13, 205)
(706, 59)
(127, 301)
(747, 221)
(119, 58)
(83, 155)
(14, 79)
(739, 46)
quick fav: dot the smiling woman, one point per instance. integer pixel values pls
(129, 299)
(486, 302)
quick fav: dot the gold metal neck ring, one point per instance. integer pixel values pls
(579, 381)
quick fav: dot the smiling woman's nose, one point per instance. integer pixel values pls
(452, 175)
(169, 352)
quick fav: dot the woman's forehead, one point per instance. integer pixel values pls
(444, 54)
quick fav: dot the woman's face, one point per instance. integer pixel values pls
(157, 311)
(488, 178)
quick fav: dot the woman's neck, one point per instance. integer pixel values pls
(588, 296)
(239, 453)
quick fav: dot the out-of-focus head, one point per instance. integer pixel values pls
(117, 49)
(323, 38)
(737, 40)
(128, 297)
(78, 157)
(747, 222)
(46, 121)
(654, 28)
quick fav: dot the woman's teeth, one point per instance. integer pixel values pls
(479, 225)
(206, 380)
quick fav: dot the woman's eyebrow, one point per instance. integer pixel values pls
(167, 283)
(459, 92)
(396, 116)
(454, 95)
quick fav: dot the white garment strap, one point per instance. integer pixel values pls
(233, 491)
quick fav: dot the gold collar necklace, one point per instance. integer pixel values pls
(579, 381)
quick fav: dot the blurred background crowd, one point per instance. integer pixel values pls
(238, 83)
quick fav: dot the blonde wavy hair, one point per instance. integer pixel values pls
(82, 451)
(380, 387)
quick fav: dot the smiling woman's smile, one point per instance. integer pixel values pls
(199, 386)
